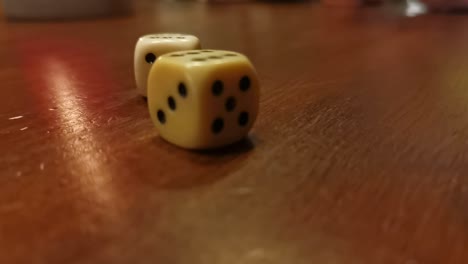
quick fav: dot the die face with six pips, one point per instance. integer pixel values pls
(150, 47)
(203, 98)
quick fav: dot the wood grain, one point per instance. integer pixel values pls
(359, 155)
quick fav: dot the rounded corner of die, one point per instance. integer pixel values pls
(143, 38)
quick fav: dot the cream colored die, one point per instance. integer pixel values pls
(150, 47)
(203, 99)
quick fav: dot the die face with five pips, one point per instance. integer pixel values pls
(150, 47)
(202, 99)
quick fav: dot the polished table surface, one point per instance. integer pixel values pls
(359, 154)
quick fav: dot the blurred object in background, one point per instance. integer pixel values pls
(343, 3)
(420, 5)
(62, 9)
(446, 5)
(415, 8)
(350, 3)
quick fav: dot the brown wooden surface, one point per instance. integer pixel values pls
(359, 155)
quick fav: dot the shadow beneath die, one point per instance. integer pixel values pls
(143, 100)
(185, 169)
(242, 146)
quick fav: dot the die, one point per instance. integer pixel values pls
(203, 99)
(149, 47)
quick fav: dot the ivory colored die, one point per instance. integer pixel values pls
(203, 98)
(150, 47)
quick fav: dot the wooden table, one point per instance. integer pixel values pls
(359, 155)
